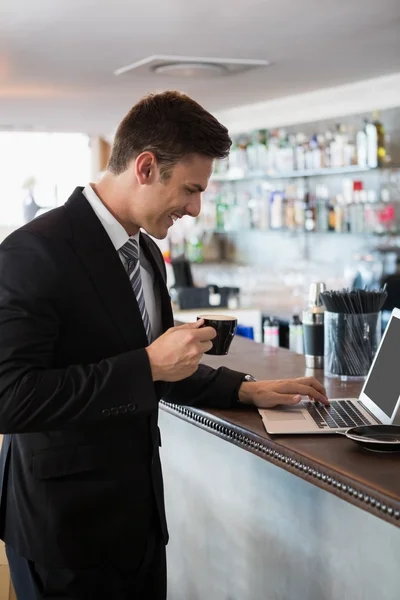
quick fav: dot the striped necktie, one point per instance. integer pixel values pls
(130, 252)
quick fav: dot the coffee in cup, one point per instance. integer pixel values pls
(225, 327)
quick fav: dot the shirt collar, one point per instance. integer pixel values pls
(114, 229)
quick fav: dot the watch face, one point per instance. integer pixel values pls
(250, 378)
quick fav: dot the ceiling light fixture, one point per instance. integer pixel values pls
(190, 69)
(190, 66)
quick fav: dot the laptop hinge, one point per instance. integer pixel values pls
(370, 413)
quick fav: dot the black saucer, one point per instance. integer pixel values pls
(378, 438)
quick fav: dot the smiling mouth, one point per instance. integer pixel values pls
(174, 217)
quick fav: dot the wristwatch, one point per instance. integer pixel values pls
(246, 378)
(249, 378)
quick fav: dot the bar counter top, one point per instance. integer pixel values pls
(365, 479)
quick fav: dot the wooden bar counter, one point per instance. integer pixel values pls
(259, 517)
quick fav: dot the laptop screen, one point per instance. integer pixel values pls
(383, 385)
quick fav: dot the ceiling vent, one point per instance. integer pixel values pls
(191, 67)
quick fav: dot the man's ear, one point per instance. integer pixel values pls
(145, 168)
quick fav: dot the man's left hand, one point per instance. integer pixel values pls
(267, 394)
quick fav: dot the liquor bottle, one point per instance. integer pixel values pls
(309, 212)
(337, 148)
(276, 210)
(340, 225)
(362, 149)
(381, 150)
(221, 209)
(346, 216)
(327, 158)
(350, 155)
(372, 144)
(289, 218)
(316, 152)
(357, 209)
(242, 154)
(331, 215)
(253, 207)
(273, 151)
(300, 157)
(310, 148)
(291, 153)
(319, 156)
(299, 208)
(262, 151)
(285, 157)
(263, 196)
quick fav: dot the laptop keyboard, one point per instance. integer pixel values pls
(338, 414)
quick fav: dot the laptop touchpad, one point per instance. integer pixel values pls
(286, 414)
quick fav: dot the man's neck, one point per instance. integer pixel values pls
(105, 195)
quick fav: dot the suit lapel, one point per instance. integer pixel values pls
(152, 254)
(103, 266)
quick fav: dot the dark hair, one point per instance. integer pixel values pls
(172, 126)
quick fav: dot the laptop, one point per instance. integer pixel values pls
(378, 402)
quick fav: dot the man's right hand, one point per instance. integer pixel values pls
(176, 354)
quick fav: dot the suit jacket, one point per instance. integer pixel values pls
(80, 459)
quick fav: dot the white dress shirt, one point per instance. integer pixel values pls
(119, 237)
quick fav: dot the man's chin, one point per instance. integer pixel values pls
(159, 233)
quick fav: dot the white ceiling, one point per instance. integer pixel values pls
(57, 57)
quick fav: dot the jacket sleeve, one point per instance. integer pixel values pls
(208, 388)
(35, 396)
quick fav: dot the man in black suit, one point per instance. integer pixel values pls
(88, 348)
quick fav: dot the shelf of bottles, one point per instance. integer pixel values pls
(240, 174)
(274, 181)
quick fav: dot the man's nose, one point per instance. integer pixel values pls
(193, 207)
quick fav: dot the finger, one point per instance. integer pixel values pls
(318, 397)
(194, 325)
(304, 390)
(311, 381)
(205, 334)
(312, 399)
(205, 346)
(287, 399)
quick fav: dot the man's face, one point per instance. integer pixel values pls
(161, 203)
